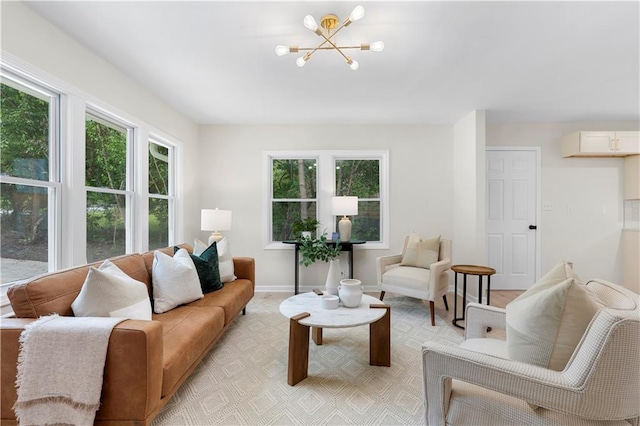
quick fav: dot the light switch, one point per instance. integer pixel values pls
(570, 209)
(604, 209)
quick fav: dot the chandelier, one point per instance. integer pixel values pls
(332, 26)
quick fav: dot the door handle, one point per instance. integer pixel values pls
(533, 227)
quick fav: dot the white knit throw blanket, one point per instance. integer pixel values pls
(60, 369)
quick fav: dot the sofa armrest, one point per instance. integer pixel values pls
(132, 380)
(245, 267)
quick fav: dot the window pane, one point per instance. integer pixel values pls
(24, 231)
(158, 169)
(360, 178)
(294, 178)
(283, 214)
(158, 223)
(24, 126)
(366, 225)
(105, 225)
(106, 156)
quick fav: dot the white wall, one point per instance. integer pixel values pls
(420, 168)
(39, 44)
(593, 187)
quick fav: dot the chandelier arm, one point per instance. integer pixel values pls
(346, 58)
(328, 48)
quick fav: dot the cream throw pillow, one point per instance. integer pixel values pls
(175, 280)
(109, 292)
(225, 261)
(546, 323)
(421, 252)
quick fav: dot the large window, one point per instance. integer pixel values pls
(107, 179)
(29, 177)
(301, 185)
(361, 178)
(77, 182)
(294, 194)
(161, 194)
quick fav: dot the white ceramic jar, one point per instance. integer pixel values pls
(350, 292)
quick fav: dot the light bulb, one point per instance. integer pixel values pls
(357, 14)
(353, 64)
(301, 61)
(310, 23)
(282, 50)
(377, 46)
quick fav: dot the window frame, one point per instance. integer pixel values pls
(100, 116)
(53, 184)
(171, 186)
(326, 187)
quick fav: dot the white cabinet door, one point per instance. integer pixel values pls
(597, 142)
(627, 143)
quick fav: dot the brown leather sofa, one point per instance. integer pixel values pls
(147, 361)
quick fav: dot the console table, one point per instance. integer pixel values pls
(346, 246)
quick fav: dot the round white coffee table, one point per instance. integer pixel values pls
(305, 310)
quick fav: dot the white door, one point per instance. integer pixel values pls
(512, 188)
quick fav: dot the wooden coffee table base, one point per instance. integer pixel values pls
(298, 365)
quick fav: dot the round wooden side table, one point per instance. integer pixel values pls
(480, 271)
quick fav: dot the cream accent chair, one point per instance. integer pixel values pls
(600, 384)
(421, 283)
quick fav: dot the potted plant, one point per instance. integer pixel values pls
(313, 250)
(304, 227)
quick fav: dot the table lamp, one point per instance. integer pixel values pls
(344, 206)
(215, 220)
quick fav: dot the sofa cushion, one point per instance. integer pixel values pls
(546, 322)
(421, 252)
(109, 292)
(175, 281)
(233, 297)
(186, 334)
(206, 264)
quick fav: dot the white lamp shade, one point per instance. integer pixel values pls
(215, 220)
(344, 206)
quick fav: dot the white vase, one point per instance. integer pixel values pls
(333, 277)
(350, 292)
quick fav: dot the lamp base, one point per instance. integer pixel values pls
(344, 227)
(215, 236)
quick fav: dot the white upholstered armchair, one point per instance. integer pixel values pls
(475, 384)
(423, 283)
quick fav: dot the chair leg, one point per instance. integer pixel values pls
(381, 295)
(432, 307)
(446, 305)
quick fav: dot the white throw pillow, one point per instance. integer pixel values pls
(175, 280)
(546, 323)
(109, 292)
(225, 261)
(199, 247)
(421, 252)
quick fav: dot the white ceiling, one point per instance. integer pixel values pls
(521, 61)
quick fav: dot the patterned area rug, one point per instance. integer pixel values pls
(243, 380)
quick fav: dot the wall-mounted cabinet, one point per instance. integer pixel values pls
(601, 144)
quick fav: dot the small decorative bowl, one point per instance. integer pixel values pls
(330, 301)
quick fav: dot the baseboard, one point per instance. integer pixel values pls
(470, 297)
